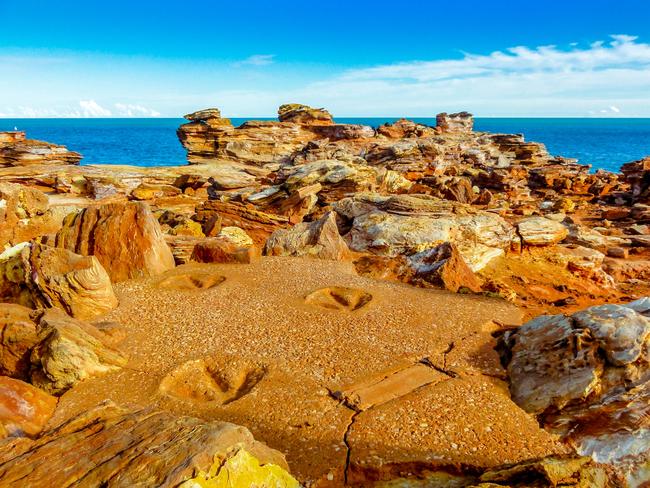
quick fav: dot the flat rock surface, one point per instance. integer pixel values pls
(288, 363)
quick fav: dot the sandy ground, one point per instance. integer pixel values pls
(250, 350)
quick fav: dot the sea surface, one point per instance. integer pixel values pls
(603, 143)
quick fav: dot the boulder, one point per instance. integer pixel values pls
(17, 339)
(70, 351)
(303, 114)
(445, 267)
(637, 173)
(202, 115)
(24, 409)
(36, 275)
(458, 122)
(587, 377)
(318, 239)
(113, 447)
(124, 237)
(222, 250)
(24, 215)
(540, 231)
(409, 224)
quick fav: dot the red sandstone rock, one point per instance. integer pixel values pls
(125, 238)
(36, 275)
(24, 409)
(17, 150)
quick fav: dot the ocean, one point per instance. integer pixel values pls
(603, 143)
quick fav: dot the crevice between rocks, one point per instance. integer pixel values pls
(348, 447)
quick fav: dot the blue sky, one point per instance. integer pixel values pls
(494, 58)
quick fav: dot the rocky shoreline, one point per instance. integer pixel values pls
(395, 306)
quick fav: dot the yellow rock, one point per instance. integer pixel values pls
(242, 471)
(236, 235)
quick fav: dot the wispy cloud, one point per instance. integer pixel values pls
(131, 110)
(603, 77)
(257, 60)
(84, 109)
(90, 108)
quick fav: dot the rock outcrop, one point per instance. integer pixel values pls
(36, 275)
(540, 231)
(18, 337)
(406, 225)
(24, 409)
(319, 239)
(24, 215)
(587, 377)
(17, 150)
(69, 351)
(637, 174)
(112, 447)
(125, 238)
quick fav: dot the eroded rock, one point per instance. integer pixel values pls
(112, 447)
(24, 409)
(36, 275)
(587, 378)
(125, 238)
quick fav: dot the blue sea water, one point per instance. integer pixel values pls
(603, 143)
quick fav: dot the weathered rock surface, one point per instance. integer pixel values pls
(17, 150)
(587, 377)
(444, 266)
(540, 231)
(112, 447)
(36, 275)
(69, 351)
(24, 409)
(17, 339)
(125, 238)
(223, 250)
(460, 122)
(319, 239)
(637, 174)
(405, 225)
(24, 215)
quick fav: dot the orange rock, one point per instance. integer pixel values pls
(24, 409)
(36, 275)
(124, 237)
(17, 338)
(219, 250)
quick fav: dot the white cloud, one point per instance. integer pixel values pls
(90, 108)
(257, 60)
(542, 81)
(131, 110)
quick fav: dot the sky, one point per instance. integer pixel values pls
(497, 58)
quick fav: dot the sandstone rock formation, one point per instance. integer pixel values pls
(319, 239)
(24, 214)
(18, 337)
(112, 447)
(359, 381)
(405, 225)
(68, 352)
(17, 150)
(460, 122)
(125, 238)
(540, 231)
(587, 377)
(637, 174)
(24, 409)
(36, 275)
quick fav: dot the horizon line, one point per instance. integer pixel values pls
(349, 117)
